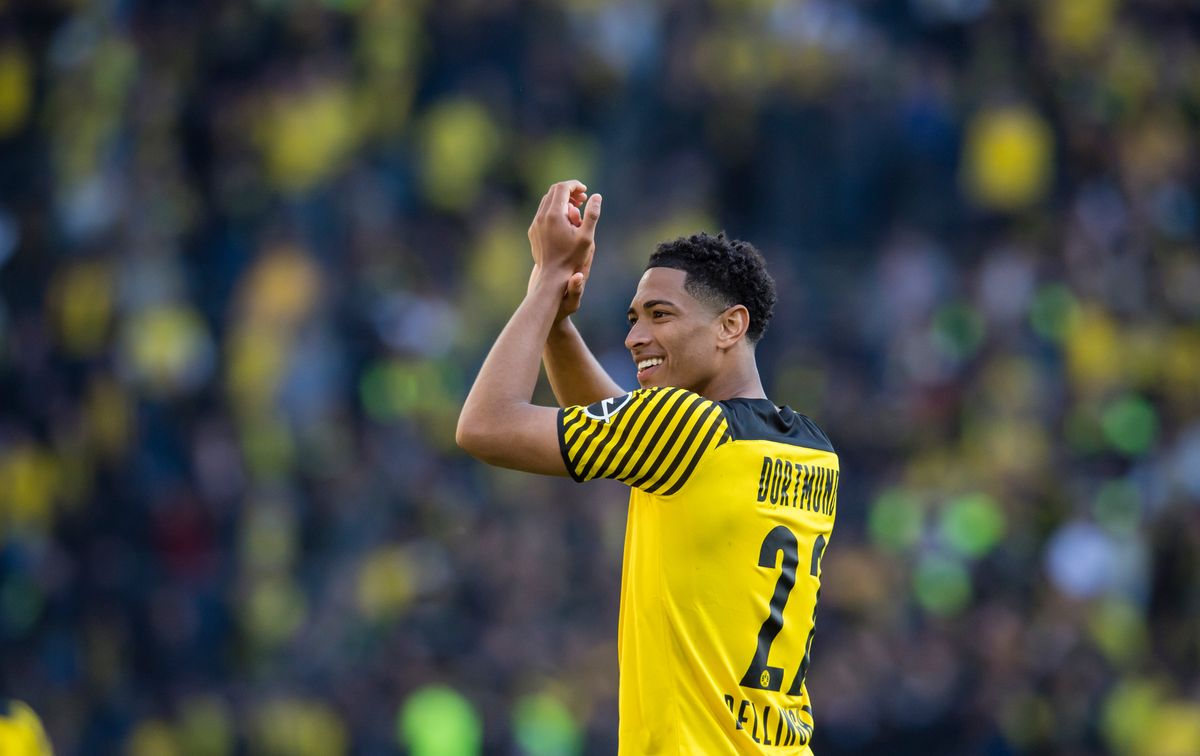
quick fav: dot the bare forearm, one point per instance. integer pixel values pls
(498, 423)
(509, 373)
(576, 376)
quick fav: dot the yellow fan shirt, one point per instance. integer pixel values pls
(21, 732)
(731, 507)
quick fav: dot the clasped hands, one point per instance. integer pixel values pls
(562, 239)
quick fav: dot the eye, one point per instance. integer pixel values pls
(659, 314)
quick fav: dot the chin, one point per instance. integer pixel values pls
(658, 378)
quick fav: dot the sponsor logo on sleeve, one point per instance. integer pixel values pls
(605, 408)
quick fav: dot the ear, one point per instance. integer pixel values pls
(732, 323)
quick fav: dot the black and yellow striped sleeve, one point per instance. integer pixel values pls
(651, 439)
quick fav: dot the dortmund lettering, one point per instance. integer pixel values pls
(785, 483)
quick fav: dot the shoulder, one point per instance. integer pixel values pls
(659, 402)
(760, 419)
(651, 439)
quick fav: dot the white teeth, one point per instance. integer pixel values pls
(649, 363)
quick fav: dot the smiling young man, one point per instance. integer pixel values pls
(732, 498)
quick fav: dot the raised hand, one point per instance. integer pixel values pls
(561, 237)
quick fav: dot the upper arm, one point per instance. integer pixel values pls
(525, 439)
(651, 439)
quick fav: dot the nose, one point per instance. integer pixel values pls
(638, 336)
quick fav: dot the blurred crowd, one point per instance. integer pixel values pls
(252, 252)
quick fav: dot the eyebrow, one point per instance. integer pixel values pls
(651, 303)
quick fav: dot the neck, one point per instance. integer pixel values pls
(741, 381)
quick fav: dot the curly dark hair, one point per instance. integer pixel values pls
(723, 272)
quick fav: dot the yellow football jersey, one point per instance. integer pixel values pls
(732, 505)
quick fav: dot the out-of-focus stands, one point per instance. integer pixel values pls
(252, 253)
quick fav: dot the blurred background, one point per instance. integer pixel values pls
(252, 253)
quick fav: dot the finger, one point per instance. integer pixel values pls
(545, 201)
(575, 290)
(557, 199)
(577, 282)
(573, 191)
(591, 214)
(575, 203)
(574, 186)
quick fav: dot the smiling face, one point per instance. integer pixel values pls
(673, 337)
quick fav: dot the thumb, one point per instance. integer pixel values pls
(591, 213)
(574, 293)
(575, 285)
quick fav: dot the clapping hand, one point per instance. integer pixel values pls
(562, 239)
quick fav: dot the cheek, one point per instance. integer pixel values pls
(691, 348)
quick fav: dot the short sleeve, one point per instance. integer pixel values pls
(650, 439)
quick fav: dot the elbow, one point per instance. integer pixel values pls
(481, 446)
(471, 435)
(463, 436)
(487, 433)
